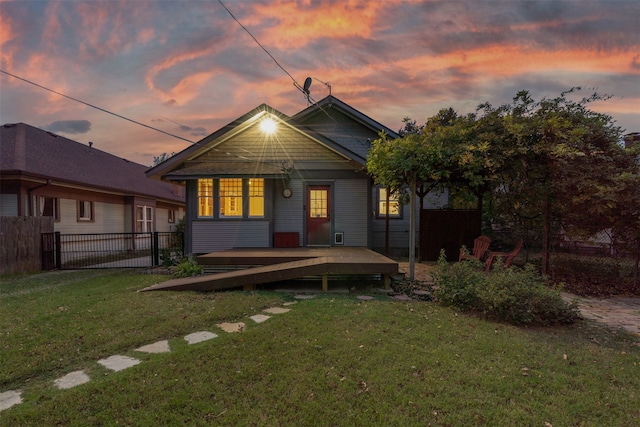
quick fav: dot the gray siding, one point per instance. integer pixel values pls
(213, 236)
(399, 227)
(289, 216)
(343, 130)
(351, 211)
(252, 145)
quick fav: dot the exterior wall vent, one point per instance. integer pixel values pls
(338, 238)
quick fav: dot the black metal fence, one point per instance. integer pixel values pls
(110, 250)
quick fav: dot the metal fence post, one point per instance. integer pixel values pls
(155, 250)
(58, 250)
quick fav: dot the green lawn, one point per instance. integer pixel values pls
(332, 360)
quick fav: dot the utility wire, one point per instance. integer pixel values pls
(97, 108)
(295, 83)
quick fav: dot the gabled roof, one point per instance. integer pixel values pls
(333, 102)
(224, 160)
(342, 123)
(28, 151)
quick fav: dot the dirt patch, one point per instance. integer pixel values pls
(588, 285)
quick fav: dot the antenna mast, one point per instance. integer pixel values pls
(324, 83)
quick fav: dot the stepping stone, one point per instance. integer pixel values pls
(290, 303)
(72, 379)
(231, 327)
(304, 296)
(259, 318)
(9, 399)
(118, 363)
(402, 298)
(197, 337)
(365, 297)
(422, 293)
(277, 310)
(156, 347)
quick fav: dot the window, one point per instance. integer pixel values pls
(85, 210)
(230, 197)
(46, 206)
(318, 203)
(144, 219)
(205, 197)
(256, 197)
(394, 205)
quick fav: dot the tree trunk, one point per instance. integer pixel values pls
(386, 226)
(546, 237)
(635, 267)
(412, 227)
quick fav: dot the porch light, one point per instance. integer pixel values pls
(268, 125)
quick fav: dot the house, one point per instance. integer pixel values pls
(84, 189)
(270, 180)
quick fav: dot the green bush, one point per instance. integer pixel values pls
(456, 284)
(188, 267)
(520, 296)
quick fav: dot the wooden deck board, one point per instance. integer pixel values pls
(281, 264)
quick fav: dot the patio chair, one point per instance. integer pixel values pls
(480, 246)
(509, 256)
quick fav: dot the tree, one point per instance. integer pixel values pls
(405, 162)
(561, 165)
(443, 151)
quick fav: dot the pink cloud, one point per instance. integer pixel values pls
(300, 23)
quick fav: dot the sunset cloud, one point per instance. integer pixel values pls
(188, 68)
(71, 127)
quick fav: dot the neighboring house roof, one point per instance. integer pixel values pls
(319, 137)
(28, 151)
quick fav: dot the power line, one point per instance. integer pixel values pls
(96, 107)
(295, 83)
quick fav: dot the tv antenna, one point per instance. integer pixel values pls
(326, 84)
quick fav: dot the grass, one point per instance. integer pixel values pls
(332, 360)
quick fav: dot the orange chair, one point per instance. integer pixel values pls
(480, 246)
(509, 256)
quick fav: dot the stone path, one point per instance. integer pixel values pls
(118, 363)
(615, 312)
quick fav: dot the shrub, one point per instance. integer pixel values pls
(520, 296)
(188, 267)
(456, 284)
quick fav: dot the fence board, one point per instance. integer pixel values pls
(448, 230)
(20, 243)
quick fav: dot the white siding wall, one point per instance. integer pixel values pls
(213, 236)
(351, 210)
(108, 218)
(162, 219)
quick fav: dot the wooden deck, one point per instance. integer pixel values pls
(260, 266)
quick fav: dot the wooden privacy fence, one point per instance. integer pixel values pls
(447, 229)
(20, 243)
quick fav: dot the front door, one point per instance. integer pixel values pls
(318, 218)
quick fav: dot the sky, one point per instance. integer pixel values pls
(188, 68)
